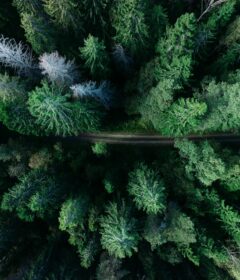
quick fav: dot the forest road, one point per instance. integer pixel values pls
(150, 139)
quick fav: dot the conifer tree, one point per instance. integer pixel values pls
(95, 57)
(182, 118)
(222, 101)
(36, 192)
(110, 267)
(147, 189)
(65, 13)
(39, 32)
(11, 89)
(27, 6)
(52, 110)
(129, 21)
(119, 234)
(176, 49)
(57, 68)
(201, 161)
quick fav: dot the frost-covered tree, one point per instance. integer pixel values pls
(38, 32)
(102, 92)
(147, 189)
(95, 57)
(57, 68)
(16, 56)
(119, 234)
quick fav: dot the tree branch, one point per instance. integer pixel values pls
(211, 5)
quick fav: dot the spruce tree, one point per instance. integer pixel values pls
(129, 21)
(119, 234)
(95, 57)
(39, 32)
(147, 189)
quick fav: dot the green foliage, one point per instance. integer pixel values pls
(100, 149)
(27, 5)
(95, 57)
(65, 13)
(52, 110)
(222, 101)
(128, 20)
(201, 161)
(39, 33)
(36, 192)
(175, 50)
(147, 189)
(182, 118)
(119, 234)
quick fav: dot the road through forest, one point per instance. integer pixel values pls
(148, 139)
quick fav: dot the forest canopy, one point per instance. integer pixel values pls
(71, 210)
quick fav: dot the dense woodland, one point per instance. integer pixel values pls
(72, 210)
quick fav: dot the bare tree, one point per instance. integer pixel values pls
(208, 5)
(16, 56)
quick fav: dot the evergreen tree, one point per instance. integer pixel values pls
(147, 189)
(222, 101)
(65, 13)
(129, 21)
(201, 161)
(39, 32)
(182, 118)
(27, 5)
(53, 112)
(110, 268)
(95, 57)
(36, 193)
(119, 234)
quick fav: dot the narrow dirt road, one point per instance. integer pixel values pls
(143, 139)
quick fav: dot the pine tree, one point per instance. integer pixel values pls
(129, 21)
(38, 32)
(222, 101)
(147, 189)
(175, 50)
(110, 268)
(182, 118)
(11, 89)
(227, 216)
(65, 13)
(95, 57)
(73, 220)
(27, 5)
(52, 110)
(36, 192)
(119, 234)
(201, 161)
